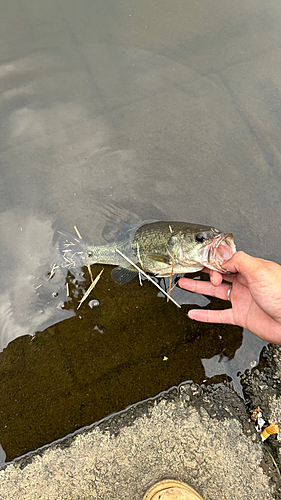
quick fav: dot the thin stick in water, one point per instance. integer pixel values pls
(54, 266)
(138, 252)
(146, 275)
(90, 273)
(171, 278)
(174, 286)
(77, 232)
(87, 293)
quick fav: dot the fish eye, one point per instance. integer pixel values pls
(90, 254)
(200, 237)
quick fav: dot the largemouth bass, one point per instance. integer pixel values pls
(162, 248)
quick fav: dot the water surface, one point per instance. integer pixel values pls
(114, 113)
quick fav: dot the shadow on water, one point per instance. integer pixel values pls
(130, 347)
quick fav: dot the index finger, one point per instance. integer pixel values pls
(209, 316)
(205, 287)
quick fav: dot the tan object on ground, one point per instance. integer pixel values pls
(170, 489)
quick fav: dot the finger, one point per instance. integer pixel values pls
(205, 287)
(242, 263)
(229, 278)
(206, 270)
(216, 277)
(208, 316)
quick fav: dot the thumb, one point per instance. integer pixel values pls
(242, 263)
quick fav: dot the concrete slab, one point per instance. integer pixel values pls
(199, 436)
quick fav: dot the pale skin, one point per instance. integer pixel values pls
(255, 296)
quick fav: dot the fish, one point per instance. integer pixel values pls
(162, 248)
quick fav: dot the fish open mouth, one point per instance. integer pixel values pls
(219, 251)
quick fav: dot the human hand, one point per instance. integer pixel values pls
(255, 296)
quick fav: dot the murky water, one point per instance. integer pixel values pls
(114, 113)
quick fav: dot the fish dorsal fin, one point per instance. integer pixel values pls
(122, 275)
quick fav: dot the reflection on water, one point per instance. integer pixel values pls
(246, 357)
(130, 346)
(2, 455)
(28, 301)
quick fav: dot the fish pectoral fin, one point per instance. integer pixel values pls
(158, 257)
(123, 275)
(164, 273)
(192, 269)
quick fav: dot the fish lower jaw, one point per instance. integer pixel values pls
(218, 253)
(215, 267)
